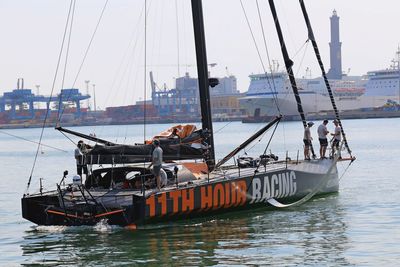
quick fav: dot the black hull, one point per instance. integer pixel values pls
(132, 208)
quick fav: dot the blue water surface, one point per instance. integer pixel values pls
(359, 226)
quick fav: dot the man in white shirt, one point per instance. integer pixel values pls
(323, 140)
(157, 159)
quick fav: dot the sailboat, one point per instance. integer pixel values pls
(197, 185)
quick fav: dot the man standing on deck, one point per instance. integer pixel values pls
(157, 162)
(337, 137)
(79, 151)
(307, 140)
(323, 140)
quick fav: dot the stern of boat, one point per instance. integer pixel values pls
(34, 207)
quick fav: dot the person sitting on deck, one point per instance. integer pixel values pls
(307, 140)
(175, 135)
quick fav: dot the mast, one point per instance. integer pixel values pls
(288, 63)
(324, 75)
(202, 72)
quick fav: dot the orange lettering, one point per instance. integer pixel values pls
(175, 195)
(206, 196)
(152, 207)
(228, 193)
(234, 192)
(162, 199)
(241, 192)
(219, 199)
(187, 200)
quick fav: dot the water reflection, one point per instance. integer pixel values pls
(314, 233)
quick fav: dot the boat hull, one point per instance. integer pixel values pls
(246, 190)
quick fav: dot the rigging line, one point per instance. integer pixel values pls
(273, 88)
(259, 140)
(72, 141)
(345, 170)
(128, 85)
(263, 137)
(133, 41)
(264, 120)
(159, 32)
(288, 63)
(129, 65)
(222, 127)
(272, 135)
(301, 48)
(265, 151)
(51, 94)
(252, 35)
(88, 47)
(302, 59)
(25, 139)
(184, 35)
(144, 72)
(177, 34)
(66, 61)
(321, 65)
(159, 13)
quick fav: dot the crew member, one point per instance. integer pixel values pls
(323, 140)
(337, 137)
(307, 140)
(157, 162)
(80, 164)
(174, 135)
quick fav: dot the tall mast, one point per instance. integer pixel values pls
(324, 75)
(288, 63)
(202, 72)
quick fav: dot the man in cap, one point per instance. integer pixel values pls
(323, 140)
(337, 137)
(157, 159)
(307, 140)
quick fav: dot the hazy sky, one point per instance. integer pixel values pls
(31, 34)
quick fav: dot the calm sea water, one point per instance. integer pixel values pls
(359, 226)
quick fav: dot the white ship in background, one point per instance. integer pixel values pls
(385, 84)
(265, 89)
(351, 92)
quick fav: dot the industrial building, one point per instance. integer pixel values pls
(183, 100)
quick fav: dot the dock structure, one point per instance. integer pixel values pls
(20, 102)
(183, 100)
